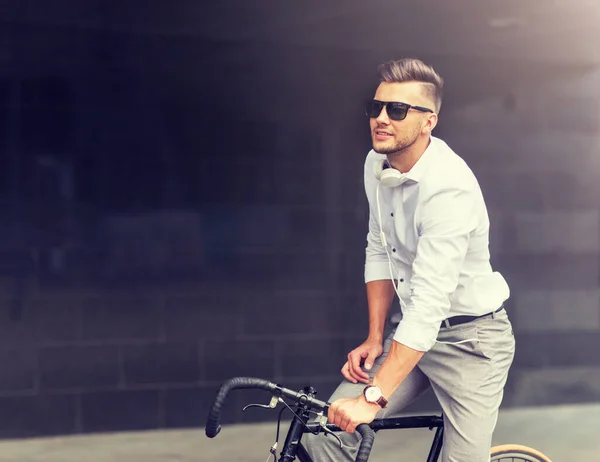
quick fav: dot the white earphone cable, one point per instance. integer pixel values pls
(384, 244)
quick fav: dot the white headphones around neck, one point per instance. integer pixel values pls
(387, 175)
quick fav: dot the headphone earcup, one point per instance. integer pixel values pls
(388, 177)
(391, 178)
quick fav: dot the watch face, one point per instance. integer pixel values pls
(372, 394)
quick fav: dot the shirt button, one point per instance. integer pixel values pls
(401, 279)
(393, 250)
(392, 214)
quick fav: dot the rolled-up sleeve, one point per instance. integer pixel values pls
(445, 223)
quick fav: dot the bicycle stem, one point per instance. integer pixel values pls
(290, 448)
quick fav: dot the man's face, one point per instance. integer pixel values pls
(393, 136)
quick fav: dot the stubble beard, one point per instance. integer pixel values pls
(399, 147)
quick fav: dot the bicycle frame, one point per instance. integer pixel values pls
(392, 423)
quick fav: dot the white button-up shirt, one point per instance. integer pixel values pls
(436, 230)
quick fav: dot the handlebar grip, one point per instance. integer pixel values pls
(212, 424)
(368, 438)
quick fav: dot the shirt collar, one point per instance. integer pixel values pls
(426, 159)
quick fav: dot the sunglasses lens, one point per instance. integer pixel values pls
(397, 111)
(373, 109)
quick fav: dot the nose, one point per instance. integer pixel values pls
(383, 118)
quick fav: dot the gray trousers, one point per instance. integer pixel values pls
(467, 369)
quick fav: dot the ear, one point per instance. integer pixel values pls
(430, 123)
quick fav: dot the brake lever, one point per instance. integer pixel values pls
(272, 405)
(323, 425)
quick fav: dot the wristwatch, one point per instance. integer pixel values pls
(374, 395)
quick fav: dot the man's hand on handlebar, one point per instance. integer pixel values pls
(347, 414)
(368, 352)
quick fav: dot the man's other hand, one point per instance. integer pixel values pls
(366, 353)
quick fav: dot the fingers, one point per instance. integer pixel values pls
(337, 416)
(331, 413)
(371, 357)
(355, 370)
(340, 418)
(351, 426)
(346, 372)
(345, 422)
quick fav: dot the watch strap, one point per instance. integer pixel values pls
(382, 402)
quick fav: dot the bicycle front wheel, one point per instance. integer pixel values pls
(517, 453)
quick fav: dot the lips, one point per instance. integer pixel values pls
(381, 135)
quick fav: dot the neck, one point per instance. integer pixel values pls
(405, 159)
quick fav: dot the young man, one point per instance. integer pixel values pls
(428, 243)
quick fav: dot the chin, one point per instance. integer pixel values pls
(382, 148)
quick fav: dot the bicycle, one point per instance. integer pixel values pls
(305, 405)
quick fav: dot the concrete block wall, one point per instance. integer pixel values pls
(98, 360)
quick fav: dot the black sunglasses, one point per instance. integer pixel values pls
(395, 111)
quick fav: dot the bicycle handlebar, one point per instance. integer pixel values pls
(214, 416)
(366, 442)
(213, 427)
